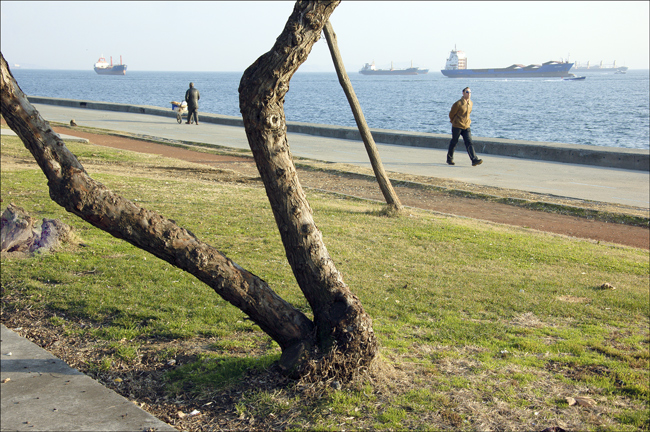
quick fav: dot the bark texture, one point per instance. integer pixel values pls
(373, 154)
(343, 329)
(72, 188)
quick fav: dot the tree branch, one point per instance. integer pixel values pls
(72, 188)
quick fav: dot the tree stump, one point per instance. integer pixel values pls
(20, 235)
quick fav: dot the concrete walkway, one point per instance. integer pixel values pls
(42, 393)
(583, 182)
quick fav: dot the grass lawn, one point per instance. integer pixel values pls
(481, 326)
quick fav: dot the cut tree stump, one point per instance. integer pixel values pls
(20, 235)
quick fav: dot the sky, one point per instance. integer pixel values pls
(229, 36)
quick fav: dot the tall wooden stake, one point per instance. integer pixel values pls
(383, 180)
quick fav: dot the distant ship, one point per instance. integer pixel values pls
(599, 68)
(456, 67)
(371, 69)
(102, 67)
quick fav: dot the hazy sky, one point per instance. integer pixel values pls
(229, 36)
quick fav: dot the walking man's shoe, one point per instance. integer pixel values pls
(450, 161)
(477, 162)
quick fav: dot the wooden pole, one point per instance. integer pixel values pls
(384, 182)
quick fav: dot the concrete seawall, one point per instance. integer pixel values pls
(609, 157)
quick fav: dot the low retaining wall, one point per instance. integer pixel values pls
(609, 157)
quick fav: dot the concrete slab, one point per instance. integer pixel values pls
(42, 393)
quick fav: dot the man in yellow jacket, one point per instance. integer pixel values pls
(460, 121)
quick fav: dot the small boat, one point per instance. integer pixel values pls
(620, 72)
(574, 78)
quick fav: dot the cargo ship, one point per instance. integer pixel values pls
(102, 67)
(456, 67)
(371, 69)
(599, 67)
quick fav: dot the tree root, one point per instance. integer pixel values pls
(334, 368)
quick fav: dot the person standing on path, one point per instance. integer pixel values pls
(460, 121)
(192, 98)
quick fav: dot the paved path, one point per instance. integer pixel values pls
(42, 393)
(627, 187)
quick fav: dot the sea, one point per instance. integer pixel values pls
(605, 109)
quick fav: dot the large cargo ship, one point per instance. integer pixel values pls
(371, 69)
(102, 67)
(456, 67)
(598, 68)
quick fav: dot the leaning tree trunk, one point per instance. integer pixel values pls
(72, 188)
(384, 182)
(342, 326)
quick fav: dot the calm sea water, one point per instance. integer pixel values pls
(603, 110)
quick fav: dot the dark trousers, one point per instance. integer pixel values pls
(193, 112)
(467, 139)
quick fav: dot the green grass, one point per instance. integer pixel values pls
(507, 319)
(214, 371)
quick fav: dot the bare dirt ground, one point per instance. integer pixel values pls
(575, 218)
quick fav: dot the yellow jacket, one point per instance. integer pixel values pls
(459, 114)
